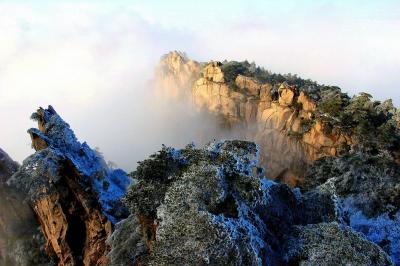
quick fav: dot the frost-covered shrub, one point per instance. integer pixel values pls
(211, 205)
(366, 191)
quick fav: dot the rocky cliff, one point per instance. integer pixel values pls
(343, 152)
(175, 71)
(74, 195)
(287, 116)
(214, 205)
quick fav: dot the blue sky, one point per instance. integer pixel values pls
(94, 59)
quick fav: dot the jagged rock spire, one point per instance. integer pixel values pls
(73, 193)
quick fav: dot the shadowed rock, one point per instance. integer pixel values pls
(21, 242)
(7, 166)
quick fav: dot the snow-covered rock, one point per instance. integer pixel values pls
(365, 190)
(212, 205)
(73, 193)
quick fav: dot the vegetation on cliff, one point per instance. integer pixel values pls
(373, 124)
(367, 191)
(232, 69)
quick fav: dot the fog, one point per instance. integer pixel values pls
(94, 62)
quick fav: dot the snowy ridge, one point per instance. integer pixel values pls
(382, 230)
(109, 184)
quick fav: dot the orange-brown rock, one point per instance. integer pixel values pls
(175, 75)
(251, 85)
(307, 104)
(275, 124)
(37, 142)
(75, 231)
(149, 229)
(286, 95)
(213, 72)
(269, 123)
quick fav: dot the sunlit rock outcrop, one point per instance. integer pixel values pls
(175, 72)
(279, 117)
(75, 196)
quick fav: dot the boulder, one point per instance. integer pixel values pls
(213, 72)
(307, 104)
(286, 95)
(250, 85)
(330, 244)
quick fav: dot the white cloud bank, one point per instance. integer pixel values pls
(93, 62)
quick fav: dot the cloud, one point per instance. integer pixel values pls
(95, 66)
(93, 61)
(355, 54)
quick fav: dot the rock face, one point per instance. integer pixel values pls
(213, 206)
(277, 116)
(185, 71)
(21, 243)
(74, 195)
